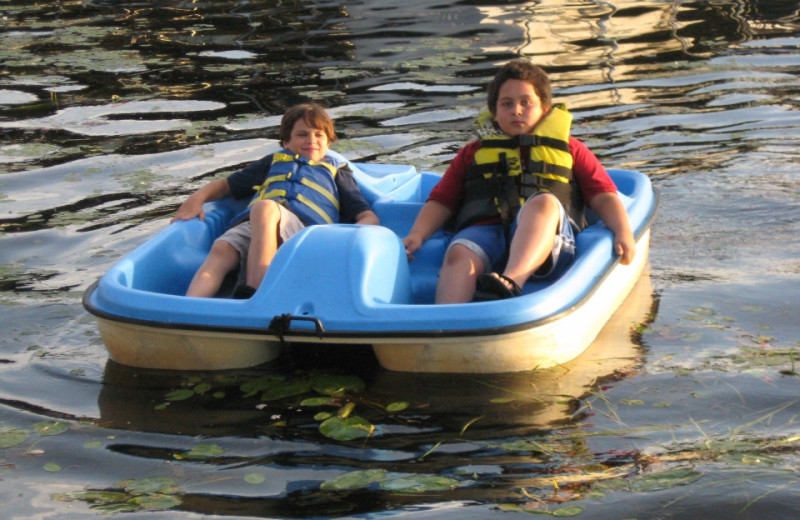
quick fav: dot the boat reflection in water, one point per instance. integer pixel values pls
(214, 404)
(539, 398)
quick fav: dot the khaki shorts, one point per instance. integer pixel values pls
(239, 236)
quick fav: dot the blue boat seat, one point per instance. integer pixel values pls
(336, 270)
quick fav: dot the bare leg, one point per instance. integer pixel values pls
(457, 277)
(533, 240)
(221, 260)
(265, 219)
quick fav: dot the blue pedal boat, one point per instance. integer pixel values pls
(353, 285)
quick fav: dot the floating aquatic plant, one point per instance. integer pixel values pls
(389, 481)
(346, 428)
(146, 494)
(50, 428)
(12, 436)
(202, 451)
(331, 389)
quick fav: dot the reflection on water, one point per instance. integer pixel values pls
(524, 401)
(449, 417)
(111, 112)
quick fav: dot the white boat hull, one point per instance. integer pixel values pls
(543, 345)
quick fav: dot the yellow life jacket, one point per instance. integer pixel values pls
(307, 188)
(507, 170)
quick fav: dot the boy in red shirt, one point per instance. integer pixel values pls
(518, 196)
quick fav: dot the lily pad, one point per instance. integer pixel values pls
(318, 401)
(50, 428)
(157, 502)
(203, 451)
(202, 388)
(254, 478)
(419, 483)
(568, 511)
(665, 480)
(346, 429)
(12, 437)
(149, 485)
(337, 385)
(179, 395)
(355, 479)
(285, 389)
(93, 496)
(251, 388)
(396, 407)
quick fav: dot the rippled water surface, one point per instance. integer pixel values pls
(687, 405)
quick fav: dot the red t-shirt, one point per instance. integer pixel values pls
(592, 178)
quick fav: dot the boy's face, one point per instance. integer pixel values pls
(311, 143)
(518, 107)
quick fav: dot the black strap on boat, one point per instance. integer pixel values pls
(282, 325)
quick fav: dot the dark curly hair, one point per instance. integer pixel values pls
(523, 70)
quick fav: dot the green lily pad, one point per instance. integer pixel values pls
(179, 395)
(318, 401)
(337, 385)
(254, 478)
(203, 451)
(396, 407)
(12, 437)
(502, 400)
(285, 389)
(665, 480)
(93, 496)
(118, 507)
(149, 485)
(355, 479)
(419, 483)
(346, 429)
(251, 388)
(632, 402)
(157, 502)
(201, 388)
(49, 428)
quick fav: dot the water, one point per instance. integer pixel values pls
(112, 112)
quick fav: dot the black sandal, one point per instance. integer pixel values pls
(243, 292)
(490, 287)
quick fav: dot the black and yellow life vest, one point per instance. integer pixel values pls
(307, 188)
(499, 181)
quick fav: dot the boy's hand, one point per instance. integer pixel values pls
(193, 205)
(625, 247)
(411, 244)
(189, 210)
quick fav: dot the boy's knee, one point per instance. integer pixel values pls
(541, 205)
(222, 252)
(543, 200)
(265, 208)
(460, 255)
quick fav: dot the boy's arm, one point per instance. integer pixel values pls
(432, 216)
(367, 218)
(193, 205)
(609, 208)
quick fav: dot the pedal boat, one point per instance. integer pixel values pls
(349, 285)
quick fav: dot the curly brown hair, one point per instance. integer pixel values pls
(313, 114)
(523, 70)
